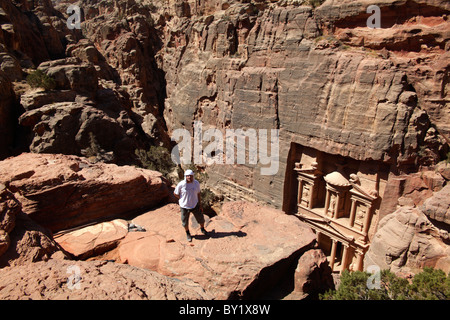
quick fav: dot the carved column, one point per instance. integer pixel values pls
(352, 212)
(333, 253)
(344, 257)
(359, 259)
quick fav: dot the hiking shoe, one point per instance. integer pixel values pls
(188, 236)
(204, 231)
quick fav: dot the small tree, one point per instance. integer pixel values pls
(38, 79)
(430, 284)
(156, 158)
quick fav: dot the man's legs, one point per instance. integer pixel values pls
(185, 222)
(198, 216)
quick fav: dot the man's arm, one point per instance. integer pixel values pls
(176, 192)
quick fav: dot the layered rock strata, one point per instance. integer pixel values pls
(62, 192)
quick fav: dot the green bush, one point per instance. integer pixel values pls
(315, 3)
(156, 158)
(430, 284)
(38, 79)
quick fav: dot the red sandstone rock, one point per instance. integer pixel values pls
(9, 208)
(29, 242)
(313, 274)
(92, 240)
(60, 192)
(21, 239)
(246, 240)
(92, 280)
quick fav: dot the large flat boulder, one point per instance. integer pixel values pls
(91, 240)
(61, 191)
(248, 251)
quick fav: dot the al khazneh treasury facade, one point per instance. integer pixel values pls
(339, 198)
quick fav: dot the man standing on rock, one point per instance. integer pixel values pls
(188, 195)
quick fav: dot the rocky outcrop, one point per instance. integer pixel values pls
(249, 250)
(407, 241)
(438, 206)
(92, 280)
(21, 240)
(9, 208)
(61, 192)
(312, 275)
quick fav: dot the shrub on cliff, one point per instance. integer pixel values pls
(430, 284)
(156, 158)
(38, 79)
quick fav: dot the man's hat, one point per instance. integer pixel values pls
(189, 173)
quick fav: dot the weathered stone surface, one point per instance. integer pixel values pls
(61, 192)
(71, 73)
(9, 208)
(407, 241)
(292, 68)
(81, 129)
(92, 240)
(29, 242)
(92, 280)
(312, 275)
(438, 206)
(245, 254)
(444, 169)
(35, 31)
(21, 240)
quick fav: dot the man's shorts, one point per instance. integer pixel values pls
(197, 214)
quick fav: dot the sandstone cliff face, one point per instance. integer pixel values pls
(320, 76)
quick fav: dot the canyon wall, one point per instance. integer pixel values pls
(320, 76)
(311, 69)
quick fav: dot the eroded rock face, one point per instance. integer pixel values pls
(406, 240)
(92, 280)
(9, 208)
(438, 206)
(21, 240)
(302, 70)
(247, 252)
(61, 192)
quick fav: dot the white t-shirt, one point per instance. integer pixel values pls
(188, 193)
